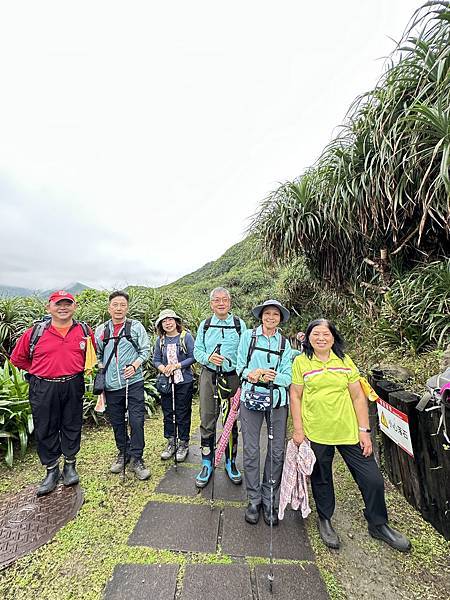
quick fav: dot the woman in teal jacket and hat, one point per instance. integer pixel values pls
(264, 365)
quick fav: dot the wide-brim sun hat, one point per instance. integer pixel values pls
(285, 314)
(167, 314)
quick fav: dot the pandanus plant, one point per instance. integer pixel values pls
(383, 184)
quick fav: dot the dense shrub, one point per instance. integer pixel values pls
(416, 310)
(16, 422)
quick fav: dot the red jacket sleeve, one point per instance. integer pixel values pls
(20, 356)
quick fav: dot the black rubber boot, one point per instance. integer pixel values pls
(252, 513)
(328, 534)
(50, 481)
(70, 475)
(270, 516)
(394, 538)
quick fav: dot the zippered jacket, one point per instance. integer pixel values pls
(125, 355)
(185, 359)
(206, 343)
(265, 360)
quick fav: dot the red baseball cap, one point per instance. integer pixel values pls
(61, 295)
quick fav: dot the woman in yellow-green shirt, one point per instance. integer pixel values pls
(329, 408)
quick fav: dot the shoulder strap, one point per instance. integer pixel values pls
(106, 335)
(36, 334)
(237, 325)
(206, 326)
(183, 341)
(116, 343)
(281, 349)
(251, 347)
(84, 326)
(127, 334)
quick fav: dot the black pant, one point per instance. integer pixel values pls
(115, 409)
(364, 471)
(57, 409)
(183, 411)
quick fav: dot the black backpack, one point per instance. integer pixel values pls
(254, 347)
(237, 325)
(40, 326)
(107, 337)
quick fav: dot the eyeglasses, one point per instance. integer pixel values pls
(224, 300)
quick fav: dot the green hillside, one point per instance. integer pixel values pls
(240, 270)
(251, 280)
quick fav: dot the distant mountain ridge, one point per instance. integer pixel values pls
(9, 291)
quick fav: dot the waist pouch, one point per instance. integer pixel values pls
(163, 384)
(256, 400)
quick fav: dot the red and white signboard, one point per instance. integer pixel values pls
(395, 425)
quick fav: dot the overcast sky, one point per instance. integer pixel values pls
(137, 138)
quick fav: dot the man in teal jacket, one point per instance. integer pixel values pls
(215, 348)
(126, 342)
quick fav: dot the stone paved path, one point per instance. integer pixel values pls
(217, 533)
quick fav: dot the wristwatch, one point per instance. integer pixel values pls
(365, 429)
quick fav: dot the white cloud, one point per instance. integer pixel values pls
(137, 139)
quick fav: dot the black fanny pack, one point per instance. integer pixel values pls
(163, 384)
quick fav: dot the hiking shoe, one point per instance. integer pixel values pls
(169, 450)
(182, 450)
(117, 466)
(137, 465)
(329, 537)
(203, 477)
(233, 472)
(395, 539)
(70, 475)
(50, 481)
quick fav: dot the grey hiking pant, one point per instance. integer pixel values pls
(209, 409)
(251, 423)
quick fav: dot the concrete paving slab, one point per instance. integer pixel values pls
(140, 582)
(290, 540)
(181, 482)
(208, 582)
(224, 489)
(179, 527)
(295, 582)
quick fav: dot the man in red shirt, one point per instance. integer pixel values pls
(56, 365)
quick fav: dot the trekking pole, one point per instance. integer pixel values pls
(174, 421)
(125, 428)
(270, 576)
(216, 413)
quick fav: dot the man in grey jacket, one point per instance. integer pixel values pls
(126, 343)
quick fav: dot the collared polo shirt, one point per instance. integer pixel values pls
(54, 355)
(327, 409)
